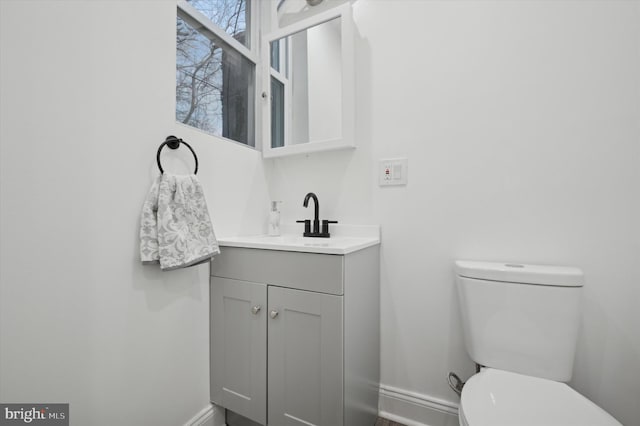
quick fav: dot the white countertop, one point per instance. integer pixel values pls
(344, 239)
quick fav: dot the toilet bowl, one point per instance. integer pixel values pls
(501, 398)
(520, 324)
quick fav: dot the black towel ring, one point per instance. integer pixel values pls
(173, 143)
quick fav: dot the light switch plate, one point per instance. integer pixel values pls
(393, 171)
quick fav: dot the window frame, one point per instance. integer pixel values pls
(197, 19)
(282, 76)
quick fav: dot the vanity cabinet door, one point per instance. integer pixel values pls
(239, 347)
(305, 358)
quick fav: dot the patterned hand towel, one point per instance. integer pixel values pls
(175, 228)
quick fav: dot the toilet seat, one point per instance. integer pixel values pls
(501, 398)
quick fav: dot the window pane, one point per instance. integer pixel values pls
(233, 16)
(277, 113)
(214, 87)
(275, 55)
(279, 56)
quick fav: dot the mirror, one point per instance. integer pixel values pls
(306, 86)
(310, 86)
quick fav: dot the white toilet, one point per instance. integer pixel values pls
(521, 323)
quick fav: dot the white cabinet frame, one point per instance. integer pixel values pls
(347, 137)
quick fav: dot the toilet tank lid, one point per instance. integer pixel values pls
(562, 276)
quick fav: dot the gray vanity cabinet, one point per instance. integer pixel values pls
(295, 336)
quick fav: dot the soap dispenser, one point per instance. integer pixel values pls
(274, 219)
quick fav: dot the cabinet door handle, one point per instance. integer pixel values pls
(256, 309)
(273, 314)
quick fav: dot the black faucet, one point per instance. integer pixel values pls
(316, 211)
(316, 221)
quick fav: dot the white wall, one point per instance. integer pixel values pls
(521, 124)
(87, 96)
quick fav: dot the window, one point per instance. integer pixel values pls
(216, 68)
(230, 15)
(280, 92)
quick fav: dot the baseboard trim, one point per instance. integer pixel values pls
(399, 419)
(416, 409)
(211, 415)
(396, 404)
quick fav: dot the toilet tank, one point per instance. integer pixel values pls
(521, 318)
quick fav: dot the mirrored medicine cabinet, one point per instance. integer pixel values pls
(309, 81)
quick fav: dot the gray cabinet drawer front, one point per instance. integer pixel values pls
(305, 271)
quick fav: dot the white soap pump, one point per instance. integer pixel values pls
(274, 219)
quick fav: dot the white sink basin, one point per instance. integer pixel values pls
(340, 243)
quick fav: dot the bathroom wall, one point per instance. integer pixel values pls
(87, 96)
(521, 124)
